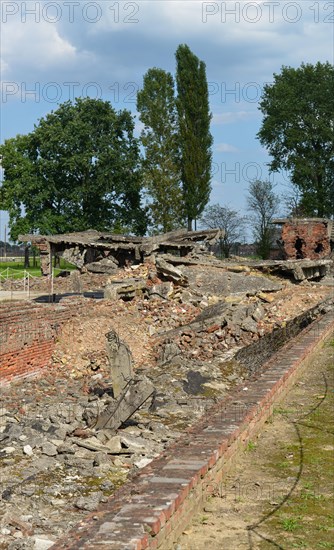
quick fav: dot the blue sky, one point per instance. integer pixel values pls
(52, 51)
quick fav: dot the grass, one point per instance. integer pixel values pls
(306, 519)
(204, 519)
(251, 446)
(290, 524)
(17, 269)
(284, 464)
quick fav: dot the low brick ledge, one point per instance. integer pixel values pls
(152, 510)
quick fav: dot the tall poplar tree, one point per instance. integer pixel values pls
(161, 172)
(195, 139)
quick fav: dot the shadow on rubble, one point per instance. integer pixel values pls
(55, 298)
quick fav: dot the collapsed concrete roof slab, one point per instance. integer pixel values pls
(97, 238)
(298, 269)
(90, 247)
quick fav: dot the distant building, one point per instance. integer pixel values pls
(311, 238)
(246, 249)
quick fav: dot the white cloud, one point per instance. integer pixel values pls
(128, 38)
(36, 47)
(3, 66)
(232, 116)
(226, 148)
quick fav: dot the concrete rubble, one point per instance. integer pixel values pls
(299, 270)
(98, 252)
(128, 378)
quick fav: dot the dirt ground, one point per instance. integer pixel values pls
(280, 492)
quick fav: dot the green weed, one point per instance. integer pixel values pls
(290, 524)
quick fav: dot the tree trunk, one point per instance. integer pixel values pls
(190, 224)
(26, 257)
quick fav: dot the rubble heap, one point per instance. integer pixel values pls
(129, 375)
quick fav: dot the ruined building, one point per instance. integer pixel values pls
(98, 252)
(301, 238)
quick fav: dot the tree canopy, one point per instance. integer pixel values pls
(298, 131)
(78, 169)
(195, 139)
(161, 171)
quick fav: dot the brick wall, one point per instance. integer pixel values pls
(313, 240)
(254, 356)
(28, 332)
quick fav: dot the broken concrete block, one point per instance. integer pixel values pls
(163, 290)
(42, 542)
(76, 282)
(238, 268)
(114, 444)
(110, 292)
(49, 449)
(93, 444)
(258, 313)
(89, 503)
(134, 443)
(126, 289)
(120, 361)
(169, 351)
(75, 255)
(170, 272)
(134, 395)
(142, 462)
(265, 297)
(249, 325)
(107, 265)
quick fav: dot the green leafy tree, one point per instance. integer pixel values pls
(229, 221)
(263, 203)
(298, 131)
(161, 172)
(78, 169)
(195, 139)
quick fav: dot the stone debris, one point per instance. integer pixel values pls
(106, 265)
(164, 291)
(120, 361)
(27, 449)
(136, 392)
(126, 289)
(128, 378)
(167, 271)
(299, 270)
(91, 503)
(42, 543)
